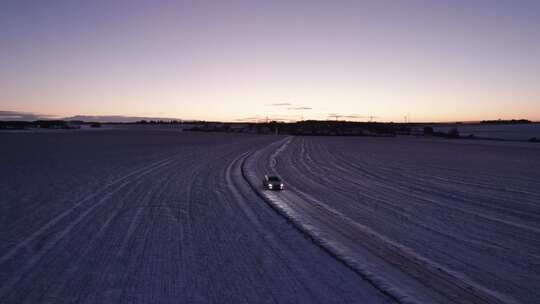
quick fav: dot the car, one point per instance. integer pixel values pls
(272, 182)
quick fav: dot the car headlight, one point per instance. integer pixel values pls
(269, 185)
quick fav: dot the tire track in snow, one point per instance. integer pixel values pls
(453, 287)
(158, 194)
(404, 189)
(151, 198)
(499, 254)
(107, 191)
(238, 165)
(101, 191)
(72, 272)
(220, 247)
(402, 192)
(398, 209)
(302, 228)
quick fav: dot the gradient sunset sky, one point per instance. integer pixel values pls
(233, 60)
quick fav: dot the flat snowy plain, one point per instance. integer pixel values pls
(515, 132)
(147, 216)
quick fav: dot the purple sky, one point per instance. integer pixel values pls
(431, 60)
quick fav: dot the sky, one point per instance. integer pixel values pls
(246, 60)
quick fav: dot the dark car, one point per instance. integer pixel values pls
(272, 182)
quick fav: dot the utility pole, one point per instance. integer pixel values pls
(371, 118)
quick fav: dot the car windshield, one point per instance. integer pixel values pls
(273, 179)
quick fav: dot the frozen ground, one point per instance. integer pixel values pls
(152, 217)
(431, 221)
(508, 132)
(142, 216)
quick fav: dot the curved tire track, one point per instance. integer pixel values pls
(320, 218)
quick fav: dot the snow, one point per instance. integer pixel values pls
(494, 131)
(147, 216)
(425, 220)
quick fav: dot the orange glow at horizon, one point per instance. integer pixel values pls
(210, 61)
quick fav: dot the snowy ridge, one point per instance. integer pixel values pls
(345, 239)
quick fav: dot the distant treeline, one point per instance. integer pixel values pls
(452, 133)
(309, 127)
(506, 122)
(159, 122)
(313, 127)
(45, 124)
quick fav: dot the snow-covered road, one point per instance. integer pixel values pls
(143, 216)
(153, 217)
(428, 221)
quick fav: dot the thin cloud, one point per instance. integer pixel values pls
(280, 104)
(249, 119)
(25, 116)
(299, 108)
(280, 119)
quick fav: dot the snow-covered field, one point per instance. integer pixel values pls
(152, 217)
(432, 221)
(148, 216)
(507, 132)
